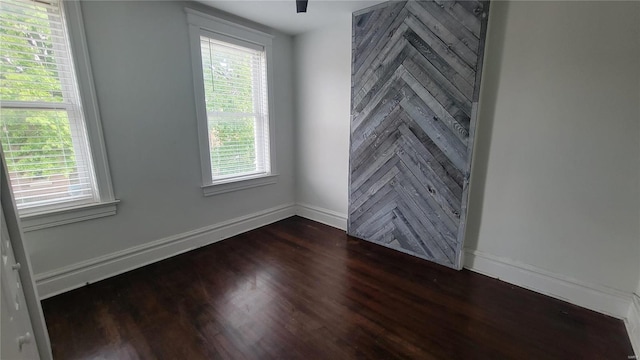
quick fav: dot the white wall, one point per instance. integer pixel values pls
(142, 70)
(637, 292)
(561, 183)
(323, 100)
(556, 177)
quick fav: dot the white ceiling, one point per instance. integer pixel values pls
(281, 15)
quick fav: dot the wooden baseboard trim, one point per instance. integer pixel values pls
(633, 324)
(76, 275)
(594, 297)
(324, 216)
(591, 296)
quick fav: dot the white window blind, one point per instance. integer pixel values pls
(42, 128)
(235, 88)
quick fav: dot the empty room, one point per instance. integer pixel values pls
(320, 179)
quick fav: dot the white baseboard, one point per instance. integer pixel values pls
(324, 216)
(598, 298)
(633, 324)
(76, 275)
(591, 296)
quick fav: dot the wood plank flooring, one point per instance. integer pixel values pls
(298, 289)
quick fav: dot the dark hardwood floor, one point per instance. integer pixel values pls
(297, 289)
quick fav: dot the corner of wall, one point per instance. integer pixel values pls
(633, 324)
(296, 114)
(322, 71)
(321, 215)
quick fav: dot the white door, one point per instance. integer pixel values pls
(18, 341)
(23, 331)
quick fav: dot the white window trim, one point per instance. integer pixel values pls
(246, 182)
(37, 221)
(200, 22)
(41, 218)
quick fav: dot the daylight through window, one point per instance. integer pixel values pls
(42, 127)
(236, 107)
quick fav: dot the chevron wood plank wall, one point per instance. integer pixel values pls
(416, 69)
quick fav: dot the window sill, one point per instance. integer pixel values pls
(238, 184)
(38, 221)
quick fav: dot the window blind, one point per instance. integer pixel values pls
(42, 128)
(235, 87)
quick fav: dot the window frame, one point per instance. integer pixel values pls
(223, 30)
(105, 205)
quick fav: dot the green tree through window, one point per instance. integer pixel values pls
(39, 107)
(29, 72)
(232, 80)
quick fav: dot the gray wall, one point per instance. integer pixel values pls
(323, 95)
(142, 70)
(556, 175)
(560, 140)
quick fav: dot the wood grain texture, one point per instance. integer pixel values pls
(298, 289)
(416, 71)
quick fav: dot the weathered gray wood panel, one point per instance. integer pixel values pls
(416, 70)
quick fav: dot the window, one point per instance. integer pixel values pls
(235, 99)
(43, 128)
(231, 75)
